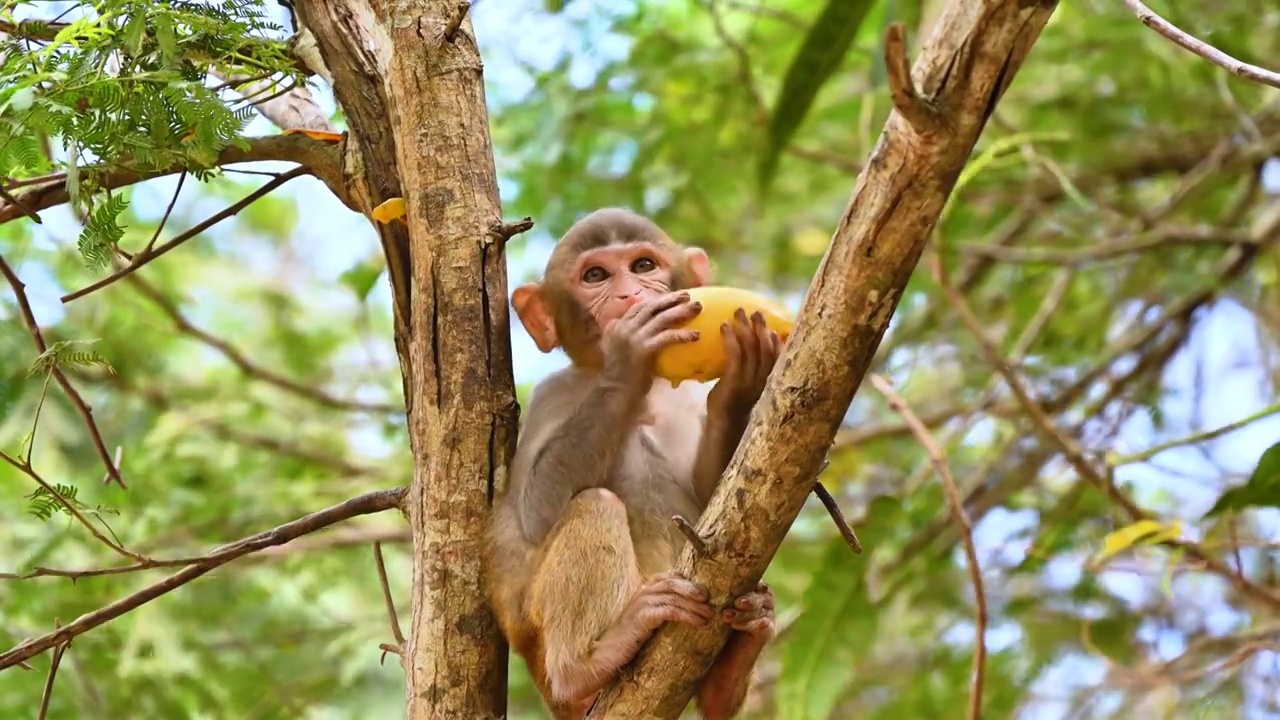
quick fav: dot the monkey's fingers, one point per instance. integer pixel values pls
(756, 626)
(671, 337)
(672, 316)
(673, 582)
(750, 358)
(661, 304)
(732, 353)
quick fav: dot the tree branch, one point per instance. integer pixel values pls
(323, 160)
(147, 256)
(242, 361)
(1201, 48)
(86, 412)
(363, 505)
(975, 52)
(934, 451)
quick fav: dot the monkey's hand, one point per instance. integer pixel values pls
(631, 342)
(752, 613)
(669, 597)
(751, 350)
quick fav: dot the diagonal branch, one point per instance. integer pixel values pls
(321, 159)
(363, 505)
(86, 412)
(242, 361)
(975, 52)
(147, 256)
(1201, 48)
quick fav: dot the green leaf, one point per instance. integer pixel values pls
(839, 623)
(829, 38)
(362, 277)
(1142, 532)
(134, 32)
(1261, 490)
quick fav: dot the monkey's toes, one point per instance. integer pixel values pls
(675, 583)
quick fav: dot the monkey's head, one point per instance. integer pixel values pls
(607, 262)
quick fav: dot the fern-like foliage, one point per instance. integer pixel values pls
(127, 86)
(45, 504)
(65, 354)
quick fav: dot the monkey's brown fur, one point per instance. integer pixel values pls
(581, 544)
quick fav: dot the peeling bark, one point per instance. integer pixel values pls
(973, 54)
(409, 78)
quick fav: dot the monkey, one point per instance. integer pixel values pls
(581, 546)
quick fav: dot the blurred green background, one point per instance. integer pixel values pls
(1114, 231)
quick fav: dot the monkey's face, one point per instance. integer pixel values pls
(606, 264)
(608, 281)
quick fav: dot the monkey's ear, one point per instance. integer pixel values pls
(532, 309)
(699, 265)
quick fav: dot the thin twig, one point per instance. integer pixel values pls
(504, 231)
(902, 90)
(689, 531)
(70, 507)
(1200, 437)
(86, 413)
(396, 632)
(837, 516)
(15, 202)
(164, 220)
(47, 695)
(143, 258)
(241, 361)
(455, 22)
(1071, 449)
(363, 505)
(1201, 48)
(931, 448)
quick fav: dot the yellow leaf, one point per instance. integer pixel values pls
(389, 210)
(811, 241)
(321, 135)
(1144, 532)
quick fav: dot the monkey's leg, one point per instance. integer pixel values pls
(588, 600)
(723, 689)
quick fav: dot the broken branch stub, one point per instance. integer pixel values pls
(974, 53)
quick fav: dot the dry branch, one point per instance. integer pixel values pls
(86, 413)
(147, 255)
(323, 160)
(974, 54)
(939, 462)
(295, 108)
(363, 505)
(1201, 48)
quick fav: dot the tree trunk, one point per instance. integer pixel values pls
(409, 78)
(972, 56)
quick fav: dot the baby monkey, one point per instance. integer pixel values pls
(581, 545)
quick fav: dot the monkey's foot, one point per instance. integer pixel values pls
(752, 612)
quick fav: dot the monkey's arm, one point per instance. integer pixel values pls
(724, 688)
(574, 440)
(720, 436)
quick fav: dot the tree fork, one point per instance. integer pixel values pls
(409, 78)
(941, 108)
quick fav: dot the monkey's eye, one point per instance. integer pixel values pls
(594, 274)
(643, 265)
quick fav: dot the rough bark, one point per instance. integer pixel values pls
(973, 54)
(408, 76)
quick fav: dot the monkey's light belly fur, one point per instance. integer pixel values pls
(704, 359)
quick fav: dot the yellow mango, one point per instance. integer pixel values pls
(703, 359)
